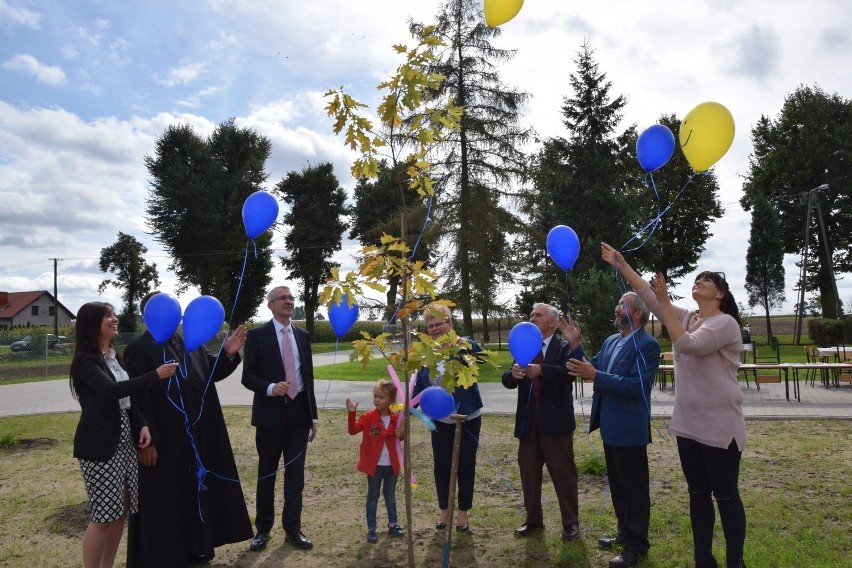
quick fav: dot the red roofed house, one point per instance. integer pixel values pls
(20, 309)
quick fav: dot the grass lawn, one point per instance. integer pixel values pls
(353, 370)
(794, 481)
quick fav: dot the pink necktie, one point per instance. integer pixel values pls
(289, 363)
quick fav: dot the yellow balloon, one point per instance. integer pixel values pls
(706, 134)
(397, 406)
(498, 12)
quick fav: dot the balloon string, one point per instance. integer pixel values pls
(242, 274)
(414, 251)
(654, 223)
(331, 376)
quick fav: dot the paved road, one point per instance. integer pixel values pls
(769, 402)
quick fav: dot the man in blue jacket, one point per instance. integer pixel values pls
(623, 373)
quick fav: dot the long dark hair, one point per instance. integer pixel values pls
(727, 305)
(88, 335)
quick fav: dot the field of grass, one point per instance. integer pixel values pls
(794, 480)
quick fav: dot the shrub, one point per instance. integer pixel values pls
(826, 332)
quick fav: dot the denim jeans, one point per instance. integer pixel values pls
(374, 484)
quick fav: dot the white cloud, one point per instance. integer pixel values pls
(74, 179)
(11, 15)
(48, 74)
(69, 52)
(183, 75)
(94, 38)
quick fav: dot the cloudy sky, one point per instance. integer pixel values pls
(86, 86)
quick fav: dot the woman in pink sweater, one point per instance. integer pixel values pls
(708, 414)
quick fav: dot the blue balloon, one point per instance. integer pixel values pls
(655, 147)
(525, 342)
(202, 320)
(260, 211)
(342, 316)
(162, 316)
(563, 246)
(437, 403)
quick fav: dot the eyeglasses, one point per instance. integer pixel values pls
(287, 297)
(436, 325)
(722, 274)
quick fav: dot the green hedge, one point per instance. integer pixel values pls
(829, 332)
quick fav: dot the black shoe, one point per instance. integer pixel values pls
(440, 525)
(299, 540)
(626, 559)
(259, 541)
(527, 529)
(571, 532)
(463, 528)
(609, 542)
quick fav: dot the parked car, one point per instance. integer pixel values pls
(34, 342)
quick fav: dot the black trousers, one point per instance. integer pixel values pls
(629, 485)
(287, 438)
(714, 472)
(442, 454)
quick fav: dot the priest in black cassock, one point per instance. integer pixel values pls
(179, 522)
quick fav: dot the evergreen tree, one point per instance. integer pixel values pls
(317, 203)
(481, 159)
(808, 145)
(131, 273)
(586, 181)
(765, 261)
(194, 208)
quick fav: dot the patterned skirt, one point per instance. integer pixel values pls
(105, 481)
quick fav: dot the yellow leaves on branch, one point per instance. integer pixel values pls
(402, 111)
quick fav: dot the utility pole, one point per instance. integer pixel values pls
(55, 299)
(812, 200)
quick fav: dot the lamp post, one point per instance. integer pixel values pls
(812, 199)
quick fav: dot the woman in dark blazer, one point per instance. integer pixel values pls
(103, 442)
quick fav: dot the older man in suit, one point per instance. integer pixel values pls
(278, 367)
(544, 426)
(623, 373)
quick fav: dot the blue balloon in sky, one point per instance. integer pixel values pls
(162, 316)
(437, 403)
(202, 320)
(655, 147)
(525, 342)
(342, 316)
(563, 246)
(260, 211)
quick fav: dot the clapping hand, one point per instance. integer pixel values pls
(235, 341)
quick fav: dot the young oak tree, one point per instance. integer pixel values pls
(408, 129)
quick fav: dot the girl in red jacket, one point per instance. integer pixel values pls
(379, 458)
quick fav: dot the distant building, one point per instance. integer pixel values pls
(22, 309)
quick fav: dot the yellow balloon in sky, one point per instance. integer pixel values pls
(498, 12)
(706, 134)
